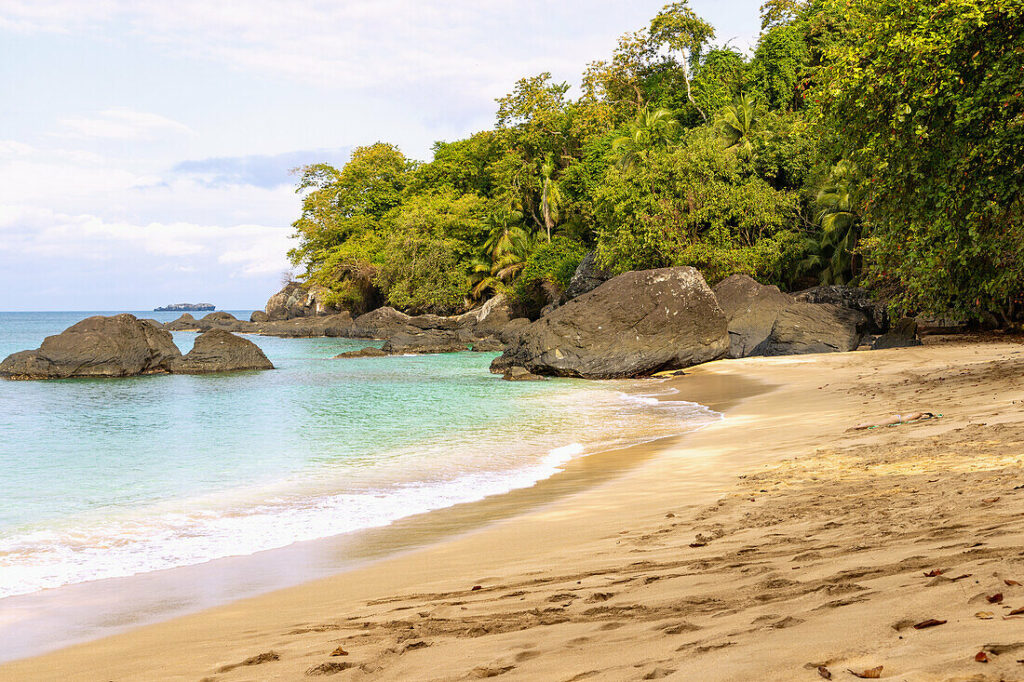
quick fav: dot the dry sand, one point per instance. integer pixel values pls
(760, 548)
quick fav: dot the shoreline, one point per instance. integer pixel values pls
(757, 548)
(38, 623)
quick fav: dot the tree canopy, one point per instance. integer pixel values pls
(873, 142)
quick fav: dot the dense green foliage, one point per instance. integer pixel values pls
(860, 141)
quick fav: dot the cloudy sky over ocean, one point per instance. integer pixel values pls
(145, 146)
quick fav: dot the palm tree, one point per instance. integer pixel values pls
(650, 129)
(504, 255)
(550, 195)
(738, 121)
(837, 201)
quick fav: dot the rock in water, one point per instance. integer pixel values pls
(903, 334)
(435, 341)
(221, 351)
(117, 346)
(369, 352)
(751, 309)
(635, 324)
(816, 328)
(185, 323)
(521, 374)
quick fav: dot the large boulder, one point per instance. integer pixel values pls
(221, 351)
(493, 316)
(587, 277)
(299, 300)
(751, 309)
(381, 324)
(307, 327)
(635, 324)
(434, 341)
(117, 346)
(258, 316)
(185, 323)
(815, 328)
(856, 298)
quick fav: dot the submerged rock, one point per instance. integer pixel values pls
(803, 328)
(635, 324)
(221, 351)
(117, 346)
(751, 309)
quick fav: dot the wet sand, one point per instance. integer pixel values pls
(760, 547)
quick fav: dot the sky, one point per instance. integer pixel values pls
(146, 145)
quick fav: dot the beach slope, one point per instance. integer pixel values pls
(776, 544)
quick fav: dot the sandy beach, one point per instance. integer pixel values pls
(776, 544)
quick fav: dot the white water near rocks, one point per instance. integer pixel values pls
(108, 478)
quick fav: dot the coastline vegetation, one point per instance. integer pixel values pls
(872, 142)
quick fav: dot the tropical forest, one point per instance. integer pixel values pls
(875, 143)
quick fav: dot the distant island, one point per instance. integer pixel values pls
(185, 306)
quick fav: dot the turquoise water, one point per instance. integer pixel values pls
(114, 477)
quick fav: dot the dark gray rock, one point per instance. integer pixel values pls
(855, 298)
(117, 346)
(487, 345)
(492, 317)
(434, 341)
(510, 332)
(369, 352)
(902, 334)
(337, 325)
(803, 328)
(501, 364)
(587, 277)
(221, 351)
(635, 324)
(751, 309)
(521, 374)
(381, 324)
(185, 323)
(259, 316)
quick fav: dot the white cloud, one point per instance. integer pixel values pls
(43, 233)
(120, 124)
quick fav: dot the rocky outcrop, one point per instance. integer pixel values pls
(259, 316)
(803, 328)
(487, 345)
(381, 324)
(587, 277)
(369, 352)
(855, 298)
(221, 351)
(635, 324)
(435, 341)
(117, 346)
(751, 309)
(521, 374)
(902, 334)
(185, 323)
(336, 325)
(299, 300)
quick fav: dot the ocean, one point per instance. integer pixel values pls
(117, 477)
